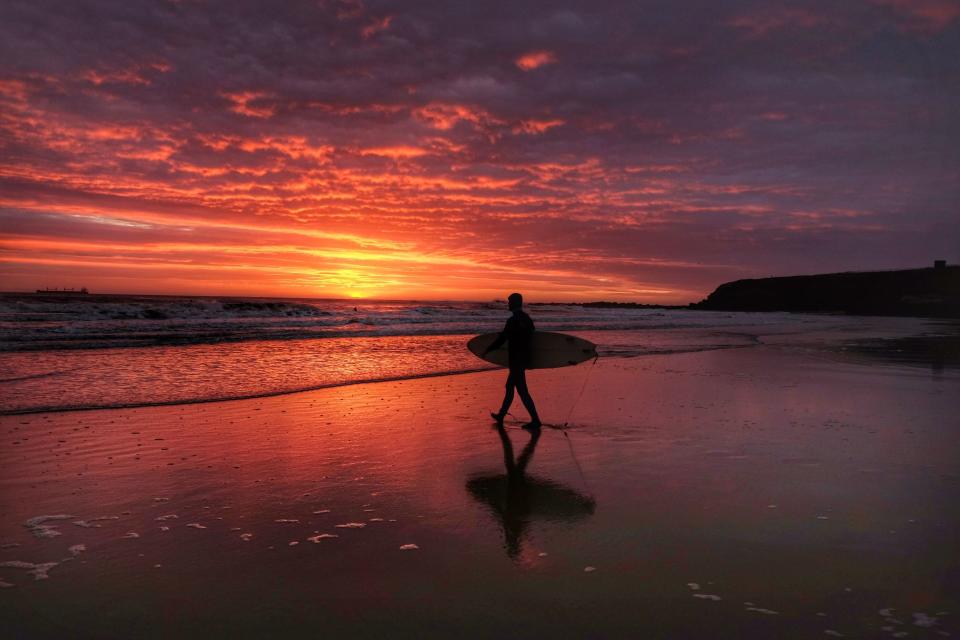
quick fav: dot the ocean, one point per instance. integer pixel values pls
(98, 351)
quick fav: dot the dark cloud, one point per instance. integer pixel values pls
(680, 143)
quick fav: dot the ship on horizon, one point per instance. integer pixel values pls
(68, 291)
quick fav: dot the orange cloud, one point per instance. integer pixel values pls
(376, 27)
(537, 126)
(395, 152)
(242, 104)
(535, 60)
(446, 116)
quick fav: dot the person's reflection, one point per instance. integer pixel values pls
(516, 499)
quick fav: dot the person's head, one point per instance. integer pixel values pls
(515, 301)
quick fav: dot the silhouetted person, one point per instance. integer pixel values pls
(518, 334)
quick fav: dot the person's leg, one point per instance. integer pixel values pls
(520, 380)
(507, 398)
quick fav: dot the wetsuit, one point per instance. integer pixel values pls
(518, 334)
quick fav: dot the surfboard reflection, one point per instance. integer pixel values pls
(516, 499)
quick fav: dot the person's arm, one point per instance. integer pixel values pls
(496, 344)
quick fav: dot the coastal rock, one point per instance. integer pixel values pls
(911, 292)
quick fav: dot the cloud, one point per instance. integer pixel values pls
(623, 150)
(250, 103)
(928, 17)
(376, 27)
(535, 60)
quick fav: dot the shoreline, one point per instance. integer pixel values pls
(268, 394)
(934, 345)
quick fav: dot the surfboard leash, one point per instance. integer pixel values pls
(583, 388)
(576, 463)
(563, 429)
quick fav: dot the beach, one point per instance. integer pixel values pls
(272, 274)
(763, 489)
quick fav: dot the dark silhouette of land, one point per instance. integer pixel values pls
(931, 292)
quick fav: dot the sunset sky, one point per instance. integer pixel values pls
(640, 151)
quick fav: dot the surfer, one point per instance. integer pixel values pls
(518, 334)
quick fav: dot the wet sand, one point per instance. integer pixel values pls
(743, 492)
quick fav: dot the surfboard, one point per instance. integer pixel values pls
(547, 351)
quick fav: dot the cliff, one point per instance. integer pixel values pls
(912, 292)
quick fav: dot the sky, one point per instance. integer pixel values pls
(637, 151)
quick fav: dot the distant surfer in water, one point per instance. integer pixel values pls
(518, 334)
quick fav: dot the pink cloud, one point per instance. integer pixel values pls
(761, 22)
(535, 126)
(376, 27)
(924, 16)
